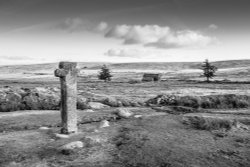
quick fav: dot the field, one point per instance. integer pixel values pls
(161, 135)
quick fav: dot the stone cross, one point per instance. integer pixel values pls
(67, 73)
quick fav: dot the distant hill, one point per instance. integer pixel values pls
(176, 65)
(50, 67)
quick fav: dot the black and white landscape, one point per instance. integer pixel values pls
(160, 83)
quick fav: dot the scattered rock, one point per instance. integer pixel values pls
(111, 101)
(68, 148)
(104, 124)
(137, 116)
(10, 101)
(82, 103)
(134, 104)
(44, 128)
(61, 136)
(125, 102)
(41, 99)
(96, 98)
(72, 145)
(120, 104)
(97, 105)
(162, 100)
(123, 112)
(239, 125)
(219, 133)
(91, 141)
(89, 110)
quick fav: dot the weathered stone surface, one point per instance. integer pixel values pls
(41, 99)
(104, 124)
(111, 101)
(10, 100)
(67, 148)
(138, 116)
(44, 128)
(119, 103)
(124, 112)
(125, 103)
(134, 104)
(67, 73)
(61, 136)
(82, 103)
(89, 110)
(97, 105)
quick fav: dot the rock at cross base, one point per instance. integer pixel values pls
(68, 148)
(124, 113)
(104, 124)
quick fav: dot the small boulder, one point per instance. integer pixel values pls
(88, 110)
(134, 104)
(104, 124)
(82, 103)
(68, 148)
(96, 105)
(138, 116)
(123, 112)
(44, 128)
(239, 125)
(111, 101)
(61, 136)
(119, 103)
(125, 102)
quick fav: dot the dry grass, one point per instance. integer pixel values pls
(226, 101)
(206, 123)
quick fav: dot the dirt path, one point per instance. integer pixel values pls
(27, 112)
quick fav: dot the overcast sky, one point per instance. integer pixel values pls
(40, 31)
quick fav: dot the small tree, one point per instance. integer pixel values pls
(208, 70)
(104, 74)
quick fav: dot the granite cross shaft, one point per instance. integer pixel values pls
(67, 73)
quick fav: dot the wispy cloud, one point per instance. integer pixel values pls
(101, 27)
(15, 58)
(159, 37)
(123, 53)
(78, 24)
(213, 26)
(136, 53)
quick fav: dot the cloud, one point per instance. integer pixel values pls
(15, 58)
(8, 60)
(185, 38)
(135, 53)
(213, 26)
(102, 26)
(123, 53)
(159, 37)
(78, 24)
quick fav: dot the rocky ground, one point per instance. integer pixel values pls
(138, 136)
(177, 122)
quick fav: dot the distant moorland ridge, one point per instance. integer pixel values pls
(120, 66)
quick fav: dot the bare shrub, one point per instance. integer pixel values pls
(206, 123)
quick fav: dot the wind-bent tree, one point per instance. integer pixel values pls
(104, 74)
(208, 70)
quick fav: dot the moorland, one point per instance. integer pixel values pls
(179, 121)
